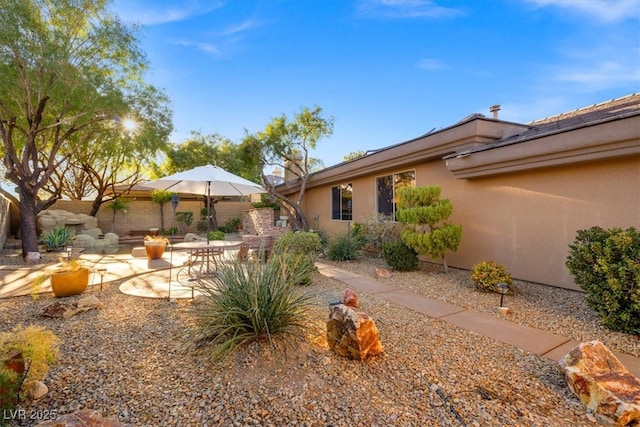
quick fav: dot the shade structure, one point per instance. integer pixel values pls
(207, 180)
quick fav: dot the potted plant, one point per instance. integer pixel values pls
(35, 347)
(155, 245)
(70, 277)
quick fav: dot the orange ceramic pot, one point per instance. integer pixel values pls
(154, 249)
(70, 282)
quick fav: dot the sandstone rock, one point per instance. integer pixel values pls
(33, 257)
(83, 418)
(64, 310)
(35, 389)
(48, 219)
(84, 241)
(93, 232)
(350, 298)
(602, 382)
(383, 273)
(352, 334)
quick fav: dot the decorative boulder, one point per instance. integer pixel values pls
(352, 334)
(382, 273)
(35, 389)
(350, 298)
(602, 383)
(84, 241)
(65, 310)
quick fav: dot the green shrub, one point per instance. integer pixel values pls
(606, 264)
(344, 248)
(216, 235)
(260, 303)
(231, 225)
(57, 238)
(373, 232)
(486, 276)
(399, 256)
(299, 242)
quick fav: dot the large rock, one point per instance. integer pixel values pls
(602, 382)
(352, 334)
(65, 310)
(49, 219)
(83, 418)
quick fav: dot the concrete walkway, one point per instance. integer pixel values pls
(16, 281)
(542, 343)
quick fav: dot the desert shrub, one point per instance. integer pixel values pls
(231, 225)
(299, 242)
(344, 247)
(606, 264)
(374, 232)
(38, 345)
(486, 276)
(216, 235)
(399, 256)
(254, 303)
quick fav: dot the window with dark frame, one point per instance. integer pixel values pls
(341, 202)
(386, 187)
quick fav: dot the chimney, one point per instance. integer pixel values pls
(494, 109)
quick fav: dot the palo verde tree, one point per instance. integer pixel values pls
(287, 144)
(65, 66)
(125, 147)
(425, 215)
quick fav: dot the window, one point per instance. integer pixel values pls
(341, 204)
(386, 187)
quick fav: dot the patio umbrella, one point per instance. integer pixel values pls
(208, 181)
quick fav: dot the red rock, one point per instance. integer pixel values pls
(352, 334)
(83, 418)
(350, 298)
(383, 273)
(602, 382)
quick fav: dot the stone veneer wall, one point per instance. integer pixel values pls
(259, 229)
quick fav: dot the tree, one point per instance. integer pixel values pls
(287, 144)
(200, 150)
(425, 215)
(65, 67)
(354, 155)
(161, 197)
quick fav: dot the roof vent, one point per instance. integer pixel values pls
(494, 109)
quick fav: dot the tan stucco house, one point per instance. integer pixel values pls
(520, 191)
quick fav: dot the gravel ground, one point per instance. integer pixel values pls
(132, 360)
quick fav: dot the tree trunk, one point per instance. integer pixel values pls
(28, 211)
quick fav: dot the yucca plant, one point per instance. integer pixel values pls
(254, 302)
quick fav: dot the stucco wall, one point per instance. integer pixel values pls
(141, 215)
(4, 219)
(525, 220)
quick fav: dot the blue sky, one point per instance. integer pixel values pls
(386, 70)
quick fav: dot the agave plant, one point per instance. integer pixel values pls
(59, 237)
(254, 302)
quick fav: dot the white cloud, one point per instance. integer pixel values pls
(400, 9)
(208, 48)
(431, 64)
(156, 13)
(607, 11)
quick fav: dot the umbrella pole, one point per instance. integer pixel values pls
(170, 262)
(208, 208)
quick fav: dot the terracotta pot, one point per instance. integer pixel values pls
(70, 282)
(154, 249)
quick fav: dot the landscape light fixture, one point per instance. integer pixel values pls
(503, 288)
(69, 250)
(101, 272)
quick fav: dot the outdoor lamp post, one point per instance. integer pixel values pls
(503, 288)
(101, 272)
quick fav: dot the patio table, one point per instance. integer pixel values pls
(206, 251)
